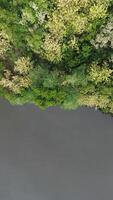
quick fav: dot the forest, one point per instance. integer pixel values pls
(57, 53)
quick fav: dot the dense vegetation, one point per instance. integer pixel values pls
(57, 52)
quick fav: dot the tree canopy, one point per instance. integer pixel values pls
(57, 53)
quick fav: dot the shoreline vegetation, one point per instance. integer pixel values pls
(57, 53)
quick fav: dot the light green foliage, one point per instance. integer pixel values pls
(95, 100)
(99, 74)
(4, 43)
(98, 11)
(16, 82)
(52, 49)
(105, 37)
(22, 65)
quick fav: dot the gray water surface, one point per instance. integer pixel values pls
(55, 154)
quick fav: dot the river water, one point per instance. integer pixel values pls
(55, 154)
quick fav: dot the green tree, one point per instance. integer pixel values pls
(57, 52)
